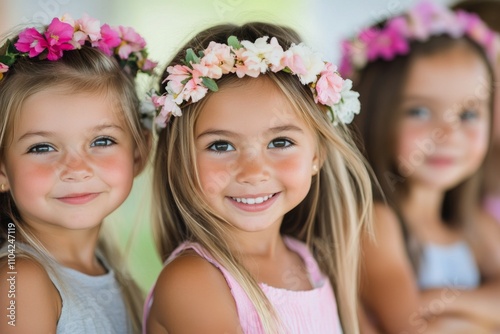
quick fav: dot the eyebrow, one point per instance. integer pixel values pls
(231, 134)
(30, 134)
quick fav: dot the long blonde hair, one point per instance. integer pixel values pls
(83, 70)
(329, 219)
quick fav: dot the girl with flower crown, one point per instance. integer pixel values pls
(260, 192)
(425, 80)
(71, 143)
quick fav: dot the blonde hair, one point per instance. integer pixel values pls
(83, 70)
(329, 219)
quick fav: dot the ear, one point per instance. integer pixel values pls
(140, 160)
(4, 181)
(318, 160)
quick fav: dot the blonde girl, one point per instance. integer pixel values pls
(259, 198)
(71, 143)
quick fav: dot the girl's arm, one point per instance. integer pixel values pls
(365, 325)
(192, 296)
(30, 303)
(388, 286)
(483, 303)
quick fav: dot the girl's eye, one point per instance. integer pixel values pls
(41, 148)
(221, 146)
(469, 115)
(280, 143)
(419, 112)
(103, 141)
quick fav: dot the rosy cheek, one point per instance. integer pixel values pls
(214, 176)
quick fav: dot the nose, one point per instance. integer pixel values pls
(75, 168)
(252, 168)
(450, 127)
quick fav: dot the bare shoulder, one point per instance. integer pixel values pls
(386, 224)
(192, 296)
(387, 274)
(34, 302)
(387, 242)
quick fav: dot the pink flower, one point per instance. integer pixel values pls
(243, 66)
(3, 68)
(87, 28)
(475, 28)
(428, 18)
(193, 90)
(168, 108)
(303, 62)
(131, 42)
(31, 41)
(329, 86)
(110, 39)
(218, 58)
(59, 36)
(148, 65)
(386, 43)
(177, 75)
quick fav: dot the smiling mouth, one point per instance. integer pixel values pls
(252, 200)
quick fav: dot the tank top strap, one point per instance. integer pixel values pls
(316, 276)
(243, 303)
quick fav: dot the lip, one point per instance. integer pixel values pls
(441, 161)
(254, 207)
(76, 199)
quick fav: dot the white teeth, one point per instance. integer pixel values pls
(256, 200)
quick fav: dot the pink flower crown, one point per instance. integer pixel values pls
(424, 20)
(190, 82)
(67, 34)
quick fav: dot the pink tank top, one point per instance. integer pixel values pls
(312, 311)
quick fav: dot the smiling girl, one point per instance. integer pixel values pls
(71, 143)
(259, 197)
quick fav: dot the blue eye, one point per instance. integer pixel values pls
(280, 143)
(419, 112)
(41, 148)
(469, 115)
(221, 146)
(103, 141)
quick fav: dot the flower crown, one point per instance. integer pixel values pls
(126, 45)
(190, 82)
(424, 20)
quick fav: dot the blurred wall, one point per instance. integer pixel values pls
(167, 24)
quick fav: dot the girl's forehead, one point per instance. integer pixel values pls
(55, 104)
(254, 100)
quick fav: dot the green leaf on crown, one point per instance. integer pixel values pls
(210, 84)
(233, 41)
(191, 57)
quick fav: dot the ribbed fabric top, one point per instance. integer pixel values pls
(90, 304)
(312, 311)
(448, 266)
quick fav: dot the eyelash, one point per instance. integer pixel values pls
(47, 148)
(34, 148)
(106, 138)
(212, 146)
(283, 139)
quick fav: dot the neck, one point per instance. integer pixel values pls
(72, 248)
(423, 205)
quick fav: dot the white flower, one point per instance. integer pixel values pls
(349, 104)
(304, 62)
